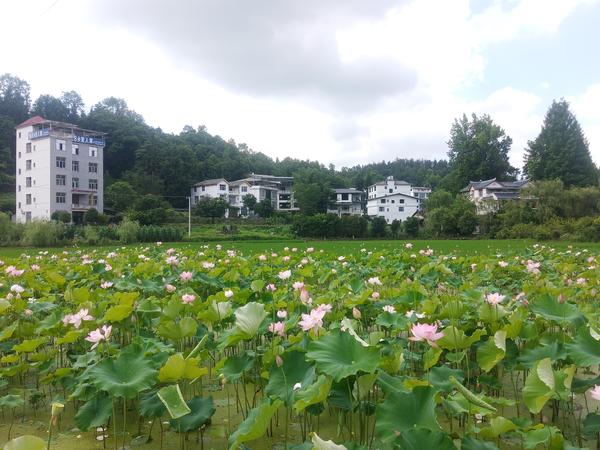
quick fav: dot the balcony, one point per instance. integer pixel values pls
(80, 207)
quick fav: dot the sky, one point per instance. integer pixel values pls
(344, 82)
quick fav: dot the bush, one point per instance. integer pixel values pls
(352, 227)
(128, 231)
(153, 233)
(10, 233)
(378, 227)
(44, 234)
(317, 226)
(61, 216)
(411, 227)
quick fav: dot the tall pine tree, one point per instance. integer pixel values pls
(561, 150)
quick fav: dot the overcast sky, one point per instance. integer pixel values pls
(342, 81)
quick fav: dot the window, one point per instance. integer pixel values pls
(222, 187)
(28, 147)
(60, 145)
(93, 168)
(383, 200)
(401, 200)
(61, 162)
(28, 199)
(93, 200)
(75, 149)
(28, 182)
(28, 164)
(203, 188)
(196, 199)
(19, 135)
(28, 216)
(93, 152)
(61, 180)
(390, 190)
(393, 201)
(19, 188)
(381, 209)
(61, 197)
(401, 208)
(75, 183)
(19, 155)
(93, 184)
(344, 196)
(244, 188)
(75, 166)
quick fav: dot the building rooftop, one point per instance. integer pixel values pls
(348, 191)
(39, 120)
(482, 184)
(210, 182)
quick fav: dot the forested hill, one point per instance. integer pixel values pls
(168, 164)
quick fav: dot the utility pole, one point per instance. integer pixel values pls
(189, 216)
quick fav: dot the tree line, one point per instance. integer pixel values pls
(142, 161)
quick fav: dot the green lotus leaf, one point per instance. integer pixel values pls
(70, 337)
(29, 345)
(439, 377)
(151, 405)
(548, 307)
(176, 368)
(255, 424)
(539, 386)
(317, 392)
(282, 379)
(492, 351)
(591, 425)
(320, 444)
(339, 355)
(401, 412)
(27, 442)
(175, 331)
(549, 437)
(470, 443)
(456, 339)
(249, 317)
(77, 295)
(202, 409)
(420, 438)
(125, 376)
(11, 401)
(216, 312)
(117, 313)
(584, 350)
(94, 412)
(235, 366)
(4, 305)
(173, 400)
(498, 425)
(530, 357)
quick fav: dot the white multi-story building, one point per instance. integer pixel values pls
(488, 195)
(421, 193)
(59, 168)
(347, 202)
(391, 199)
(277, 190)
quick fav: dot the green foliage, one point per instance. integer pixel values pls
(458, 219)
(312, 191)
(43, 234)
(378, 227)
(10, 232)
(264, 208)
(120, 196)
(61, 216)
(150, 209)
(561, 150)
(411, 227)
(211, 207)
(478, 150)
(128, 231)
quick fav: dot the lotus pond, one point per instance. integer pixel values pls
(212, 347)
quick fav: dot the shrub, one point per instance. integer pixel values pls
(10, 232)
(128, 231)
(378, 227)
(411, 227)
(318, 225)
(153, 233)
(352, 227)
(61, 216)
(44, 233)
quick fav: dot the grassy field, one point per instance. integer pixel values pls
(461, 247)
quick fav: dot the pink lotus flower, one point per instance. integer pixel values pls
(188, 298)
(228, 293)
(408, 245)
(35, 267)
(298, 285)
(324, 308)
(595, 392)
(580, 281)
(12, 271)
(262, 257)
(356, 313)
(208, 265)
(374, 281)
(314, 320)
(172, 260)
(305, 297)
(284, 275)
(98, 335)
(186, 276)
(170, 251)
(271, 287)
(282, 314)
(106, 284)
(389, 309)
(28, 312)
(494, 298)
(170, 288)
(375, 295)
(425, 332)
(77, 318)
(502, 263)
(277, 328)
(533, 267)
(17, 289)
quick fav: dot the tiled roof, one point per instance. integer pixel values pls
(35, 120)
(210, 182)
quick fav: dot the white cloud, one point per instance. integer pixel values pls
(585, 107)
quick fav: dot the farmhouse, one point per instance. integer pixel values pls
(59, 167)
(488, 195)
(393, 200)
(347, 202)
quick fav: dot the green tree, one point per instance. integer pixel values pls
(120, 196)
(150, 210)
(312, 191)
(478, 150)
(74, 105)
(50, 107)
(249, 202)
(211, 207)
(439, 198)
(411, 227)
(15, 99)
(378, 227)
(264, 208)
(395, 227)
(561, 150)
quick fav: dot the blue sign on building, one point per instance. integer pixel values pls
(88, 140)
(39, 133)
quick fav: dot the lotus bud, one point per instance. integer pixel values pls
(356, 313)
(561, 298)
(278, 361)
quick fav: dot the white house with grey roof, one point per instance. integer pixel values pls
(488, 195)
(347, 202)
(392, 200)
